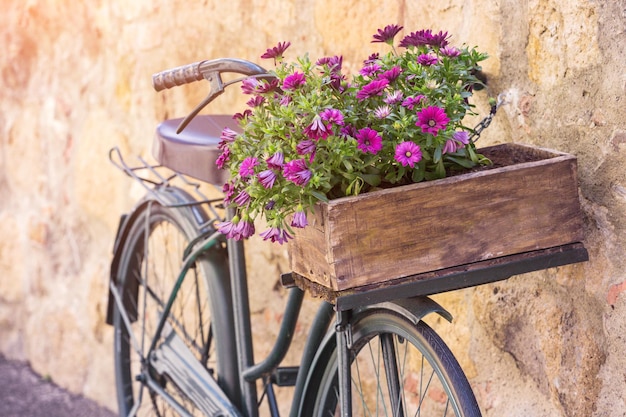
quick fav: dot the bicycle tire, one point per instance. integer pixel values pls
(191, 315)
(436, 387)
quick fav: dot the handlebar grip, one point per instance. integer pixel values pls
(177, 76)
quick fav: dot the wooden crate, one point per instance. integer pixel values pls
(527, 201)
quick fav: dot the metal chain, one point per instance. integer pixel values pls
(484, 124)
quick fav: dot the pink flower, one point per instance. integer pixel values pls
(317, 129)
(411, 102)
(394, 98)
(247, 166)
(432, 119)
(382, 112)
(391, 74)
(370, 70)
(297, 172)
(369, 141)
(374, 88)
(294, 81)
(408, 153)
(277, 51)
(332, 116)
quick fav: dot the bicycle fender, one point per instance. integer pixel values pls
(414, 308)
(170, 195)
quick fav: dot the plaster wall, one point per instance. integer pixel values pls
(75, 81)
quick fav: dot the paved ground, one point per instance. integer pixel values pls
(23, 393)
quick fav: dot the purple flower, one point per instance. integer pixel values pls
(276, 234)
(348, 131)
(450, 146)
(450, 51)
(223, 158)
(432, 119)
(424, 37)
(333, 63)
(253, 85)
(382, 112)
(391, 74)
(427, 59)
(307, 147)
(387, 34)
(439, 39)
(244, 229)
(332, 116)
(294, 81)
(242, 198)
(369, 141)
(267, 178)
(461, 136)
(369, 70)
(408, 153)
(236, 229)
(247, 166)
(267, 86)
(317, 129)
(228, 189)
(297, 172)
(228, 135)
(374, 88)
(226, 228)
(411, 102)
(372, 58)
(285, 100)
(276, 161)
(394, 98)
(250, 85)
(255, 101)
(241, 116)
(299, 219)
(459, 140)
(277, 51)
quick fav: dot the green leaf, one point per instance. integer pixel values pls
(371, 179)
(319, 196)
(465, 163)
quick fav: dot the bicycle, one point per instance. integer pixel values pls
(178, 301)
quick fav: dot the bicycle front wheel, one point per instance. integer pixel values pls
(398, 368)
(148, 270)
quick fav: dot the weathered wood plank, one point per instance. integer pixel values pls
(422, 227)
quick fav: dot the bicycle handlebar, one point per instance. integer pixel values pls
(201, 70)
(210, 70)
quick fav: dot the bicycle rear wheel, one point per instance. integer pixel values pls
(147, 273)
(398, 368)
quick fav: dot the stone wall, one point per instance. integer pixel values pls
(75, 81)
